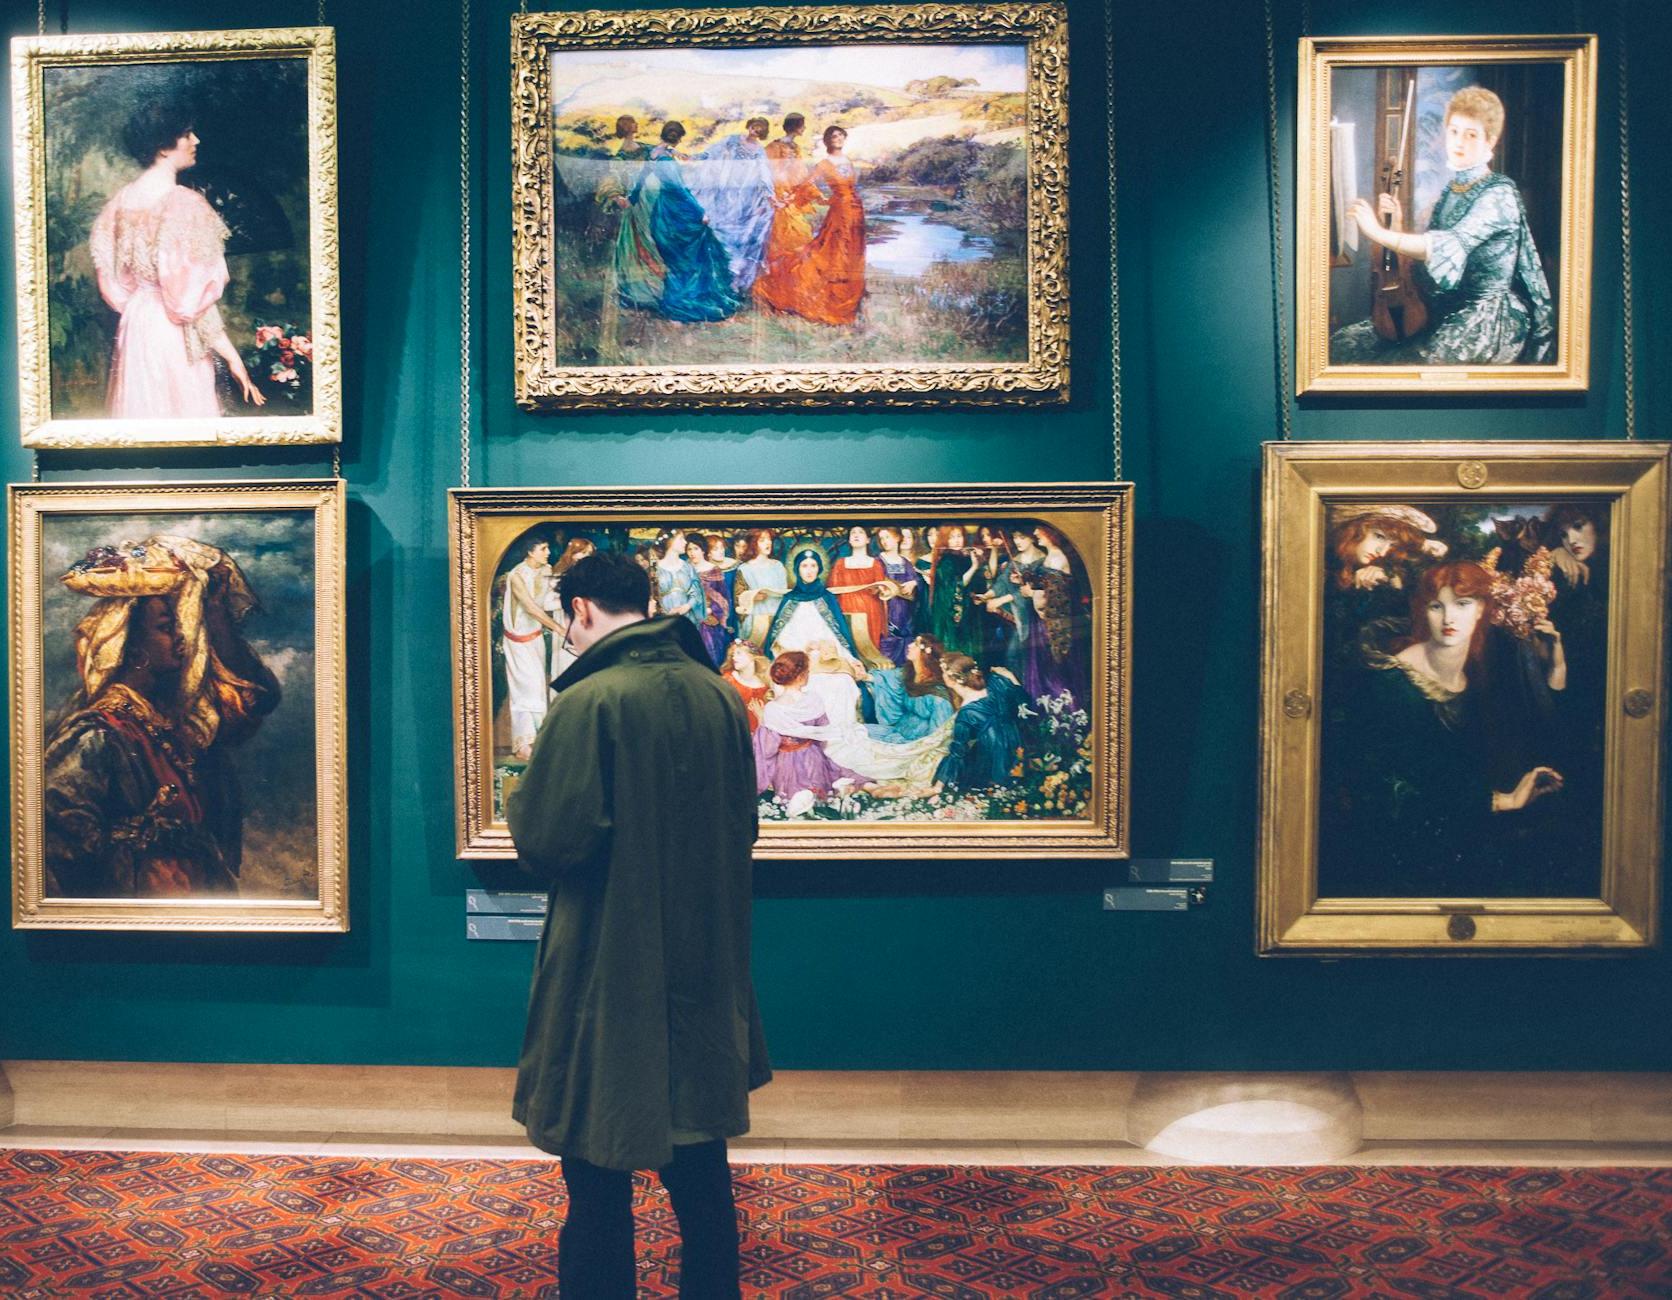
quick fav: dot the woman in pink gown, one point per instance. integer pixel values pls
(159, 250)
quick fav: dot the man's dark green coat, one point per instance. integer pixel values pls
(638, 807)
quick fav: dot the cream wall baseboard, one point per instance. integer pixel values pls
(1057, 1107)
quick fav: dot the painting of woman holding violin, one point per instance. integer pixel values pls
(1451, 243)
(1474, 275)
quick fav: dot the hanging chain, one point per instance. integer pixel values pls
(1114, 260)
(1629, 352)
(336, 460)
(322, 13)
(34, 467)
(1274, 180)
(40, 17)
(1306, 17)
(464, 243)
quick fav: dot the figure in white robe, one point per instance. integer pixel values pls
(525, 621)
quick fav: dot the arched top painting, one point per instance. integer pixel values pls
(176, 238)
(1444, 213)
(791, 206)
(927, 671)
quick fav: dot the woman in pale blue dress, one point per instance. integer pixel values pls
(1488, 300)
(678, 588)
(760, 586)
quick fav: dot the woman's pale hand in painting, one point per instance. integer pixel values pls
(1535, 784)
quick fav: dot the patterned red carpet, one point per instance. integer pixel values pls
(112, 1225)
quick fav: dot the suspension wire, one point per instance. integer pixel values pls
(1627, 317)
(1115, 413)
(1274, 181)
(464, 243)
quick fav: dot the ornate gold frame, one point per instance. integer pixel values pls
(1097, 518)
(1319, 57)
(1043, 377)
(1298, 479)
(30, 56)
(27, 504)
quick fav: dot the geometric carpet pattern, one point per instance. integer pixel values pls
(184, 1227)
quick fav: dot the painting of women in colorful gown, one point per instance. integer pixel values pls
(181, 669)
(898, 668)
(188, 241)
(1465, 668)
(1450, 243)
(768, 212)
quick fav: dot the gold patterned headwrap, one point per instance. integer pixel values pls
(177, 569)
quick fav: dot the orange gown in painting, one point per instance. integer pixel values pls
(792, 228)
(874, 626)
(825, 280)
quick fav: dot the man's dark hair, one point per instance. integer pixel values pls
(612, 582)
(673, 132)
(794, 121)
(155, 126)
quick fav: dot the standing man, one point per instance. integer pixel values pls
(643, 1040)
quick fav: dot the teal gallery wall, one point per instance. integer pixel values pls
(898, 964)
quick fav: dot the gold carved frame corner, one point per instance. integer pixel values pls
(540, 383)
(1298, 480)
(31, 56)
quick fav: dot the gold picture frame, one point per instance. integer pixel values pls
(1510, 807)
(1082, 813)
(1027, 357)
(1549, 83)
(180, 387)
(226, 807)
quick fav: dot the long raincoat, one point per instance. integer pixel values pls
(638, 808)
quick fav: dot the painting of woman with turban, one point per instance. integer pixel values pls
(178, 759)
(142, 796)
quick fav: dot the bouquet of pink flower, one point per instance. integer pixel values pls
(1521, 602)
(281, 363)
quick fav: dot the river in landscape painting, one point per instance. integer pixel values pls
(907, 232)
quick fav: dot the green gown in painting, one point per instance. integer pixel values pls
(636, 271)
(1488, 300)
(1407, 806)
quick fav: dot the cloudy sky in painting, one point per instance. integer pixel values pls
(995, 67)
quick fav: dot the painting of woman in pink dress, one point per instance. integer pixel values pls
(159, 251)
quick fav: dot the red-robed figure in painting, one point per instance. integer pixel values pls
(825, 280)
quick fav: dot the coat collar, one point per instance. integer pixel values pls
(668, 636)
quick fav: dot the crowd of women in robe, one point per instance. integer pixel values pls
(1465, 672)
(699, 236)
(895, 661)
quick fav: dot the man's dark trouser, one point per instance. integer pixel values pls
(595, 1248)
